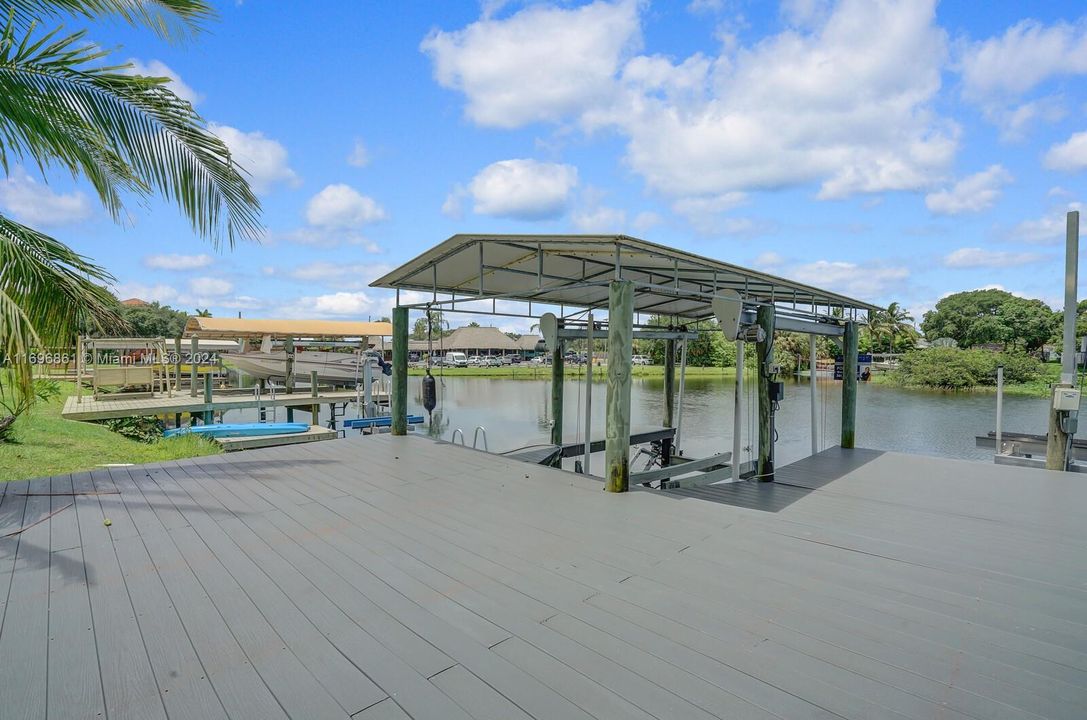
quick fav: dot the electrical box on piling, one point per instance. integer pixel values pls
(1066, 400)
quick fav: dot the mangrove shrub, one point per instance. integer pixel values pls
(951, 368)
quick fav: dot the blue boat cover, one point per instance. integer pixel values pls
(238, 429)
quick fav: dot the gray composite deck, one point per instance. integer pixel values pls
(383, 577)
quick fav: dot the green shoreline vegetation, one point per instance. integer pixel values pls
(43, 443)
(532, 371)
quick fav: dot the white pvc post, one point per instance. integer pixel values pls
(588, 400)
(738, 412)
(1071, 282)
(814, 395)
(1000, 410)
(367, 386)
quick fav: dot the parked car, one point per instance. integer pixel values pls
(456, 359)
(513, 359)
(490, 361)
(640, 360)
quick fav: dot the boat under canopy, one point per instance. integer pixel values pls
(331, 367)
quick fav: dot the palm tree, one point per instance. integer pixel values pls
(62, 106)
(203, 313)
(894, 320)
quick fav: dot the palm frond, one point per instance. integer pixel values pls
(134, 131)
(46, 291)
(169, 19)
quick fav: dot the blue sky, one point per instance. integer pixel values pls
(888, 150)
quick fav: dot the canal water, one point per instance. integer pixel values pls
(516, 413)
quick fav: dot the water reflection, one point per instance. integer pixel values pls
(517, 413)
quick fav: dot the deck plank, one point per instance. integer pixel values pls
(384, 577)
(24, 637)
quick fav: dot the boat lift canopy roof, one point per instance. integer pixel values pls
(233, 328)
(574, 271)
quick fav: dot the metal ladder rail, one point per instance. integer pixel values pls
(475, 438)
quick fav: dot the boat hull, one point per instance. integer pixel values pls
(336, 368)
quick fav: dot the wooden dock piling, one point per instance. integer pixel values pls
(558, 382)
(193, 365)
(620, 343)
(849, 385)
(399, 400)
(209, 414)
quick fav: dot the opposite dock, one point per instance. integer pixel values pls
(89, 408)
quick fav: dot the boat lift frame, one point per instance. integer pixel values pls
(582, 274)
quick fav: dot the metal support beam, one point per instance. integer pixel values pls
(738, 412)
(814, 381)
(588, 398)
(849, 385)
(669, 396)
(1071, 275)
(765, 353)
(617, 429)
(399, 400)
(576, 332)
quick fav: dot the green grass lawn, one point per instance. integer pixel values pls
(529, 371)
(46, 444)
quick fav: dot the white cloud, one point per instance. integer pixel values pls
(1014, 120)
(768, 261)
(645, 220)
(264, 159)
(210, 286)
(453, 207)
(542, 63)
(339, 304)
(593, 217)
(35, 203)
(1047, 230)
(359, 155)
(340, 206)
(523, 189)
(239, 302)
(972, 257)
(1028, 54)
(704, 213)
(157, 68)
(321, 271)
(174, 261)
(1070, 156)
(999, 71)
(599, 219)
(698, 7)
(325, 237)
(160, 292)
(863, 281)
(832, 103)
(971, 194)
